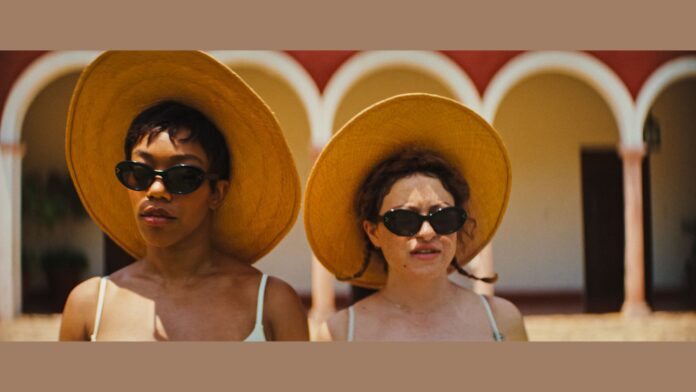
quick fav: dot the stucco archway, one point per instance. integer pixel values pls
(37, 76)
(580, 65)
(354, 69)
(658, 81)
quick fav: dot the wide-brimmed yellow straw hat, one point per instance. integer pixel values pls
(264, 196)
(427, 121)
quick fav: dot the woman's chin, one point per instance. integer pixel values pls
(425, 269)
(158, 239)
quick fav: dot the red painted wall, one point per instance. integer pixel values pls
(12, 63)
(481, 65)
(321, 64)
(633, 67)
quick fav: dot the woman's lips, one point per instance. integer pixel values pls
(156, 216)
(425, 254)
(154, 220)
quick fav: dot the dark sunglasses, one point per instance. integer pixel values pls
(178, 179)
(407, 223)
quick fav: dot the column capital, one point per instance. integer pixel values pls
(632, 153)
(314, 152)
(13, 149)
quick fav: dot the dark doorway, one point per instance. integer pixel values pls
(603, 215)
(115, 257)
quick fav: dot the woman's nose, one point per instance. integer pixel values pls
(157, 190)
(426, 231)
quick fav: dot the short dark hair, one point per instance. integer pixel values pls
(172, 117)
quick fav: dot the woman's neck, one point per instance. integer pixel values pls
(184, 260)
(417, 295)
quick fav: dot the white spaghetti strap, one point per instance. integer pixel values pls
(496, 333)
(351, 323)
(259, 301)
(100, 307)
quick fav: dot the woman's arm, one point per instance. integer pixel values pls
(79, 312)
(284, 312)
(509, 320)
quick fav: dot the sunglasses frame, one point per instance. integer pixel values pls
(422, 218)
(164, 175)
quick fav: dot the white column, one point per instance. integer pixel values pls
(323, 297)
(10, 265)
(484, 268)
(323, 293)
(634, 275)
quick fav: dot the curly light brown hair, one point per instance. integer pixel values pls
(405, 163)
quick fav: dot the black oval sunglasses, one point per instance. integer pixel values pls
(179, 179)
(407, 223)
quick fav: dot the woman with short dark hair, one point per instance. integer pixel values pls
(197, 188)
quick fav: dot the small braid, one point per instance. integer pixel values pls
(461, 270)
(365, 264)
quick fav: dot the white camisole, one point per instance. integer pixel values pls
(257, 334)
(497, 336)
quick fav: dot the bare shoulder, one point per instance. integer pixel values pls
(280, 292)
(364, 309)
(285, 312)
(337, 325)
(80, 310)
(509, 319)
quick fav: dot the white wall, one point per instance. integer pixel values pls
(673, 182)
(544, 121)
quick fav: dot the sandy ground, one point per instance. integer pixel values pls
(31, 327)
(659, 326)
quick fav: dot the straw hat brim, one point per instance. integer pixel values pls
(431, 122)
(264, 194)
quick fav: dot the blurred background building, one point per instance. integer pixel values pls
(603, 206)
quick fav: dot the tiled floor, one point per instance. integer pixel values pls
(39, 327)
(659, 326)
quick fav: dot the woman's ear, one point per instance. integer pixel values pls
(217, 194)
(371, 231)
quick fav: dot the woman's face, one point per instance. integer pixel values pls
(426, 254)
(163, 218)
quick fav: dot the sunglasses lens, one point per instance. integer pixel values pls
(407, 223)
(448, 220)
(184, 179)
(134, 176)
(403, 222)
(178, 179)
